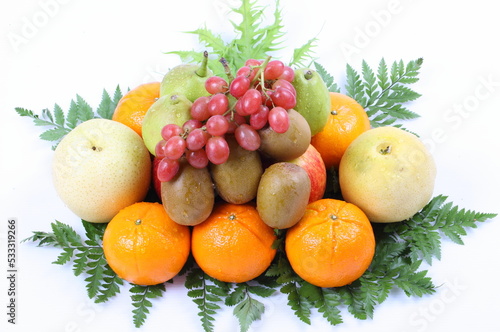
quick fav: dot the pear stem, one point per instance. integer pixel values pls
(203, 70)
(386, 150)
(308, 74)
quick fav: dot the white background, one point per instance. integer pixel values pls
(53, 49)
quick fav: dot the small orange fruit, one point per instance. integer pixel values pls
(233, 244)
(332, 245)
(133, 106)
(347, 121)
(144, 246)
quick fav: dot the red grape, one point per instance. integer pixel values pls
(284, 98)
(199, 109)
(167, 169)
(239, 86)
(278, 119)
(217, 125)
(159, 148)
(284, 84)
(247, 72)
(259, 119)
(288, 74)
(216, 84)
(197, 159)
(170, 130)
(253, 62)
(244, 71)
(196, 139)
(218, 104)
(250, 102)
(191, 124)
(175, 147)
(273, 70)
(217, 150)
(247, 137)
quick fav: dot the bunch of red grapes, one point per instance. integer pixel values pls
(259, 96)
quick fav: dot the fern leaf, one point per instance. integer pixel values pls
(110, 286)
(300, 305)
(354, 86)
(327, 78)
(303, 53)
(141, 299)
(84, 110)
(59, 115)
(207, 37)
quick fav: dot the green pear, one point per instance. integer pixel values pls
(168, 109)
(187, 79)
(313, 100)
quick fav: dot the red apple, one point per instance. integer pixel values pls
(312, 162)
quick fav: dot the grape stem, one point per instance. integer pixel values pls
(260, 72)
(263, 86)
(227, 69)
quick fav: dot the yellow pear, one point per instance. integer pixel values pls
(99, 168)
(388, 173)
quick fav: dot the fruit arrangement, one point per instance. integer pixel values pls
(250, 176)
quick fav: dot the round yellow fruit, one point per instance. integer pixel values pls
(388, 173)
(99, 168)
